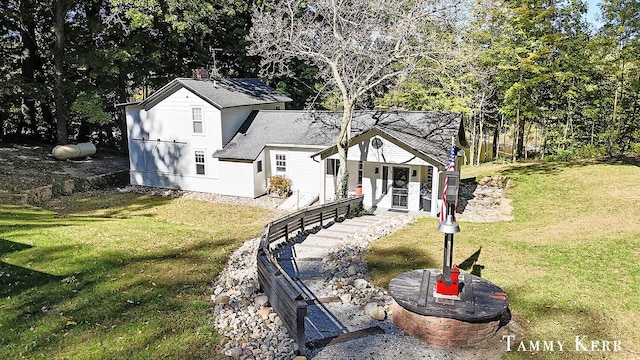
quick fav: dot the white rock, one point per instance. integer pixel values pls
(378, 313)
(346, 298)
(264, 312)
(261, 300)
(369, 307)
(360, 284)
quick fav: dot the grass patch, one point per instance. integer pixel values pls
(568, 260)
(117, 276)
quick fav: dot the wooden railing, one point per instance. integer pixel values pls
(285, 296)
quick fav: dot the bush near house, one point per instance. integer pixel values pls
(280, 185)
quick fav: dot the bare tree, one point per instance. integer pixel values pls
(356, 44)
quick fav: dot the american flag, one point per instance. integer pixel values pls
(451, 167)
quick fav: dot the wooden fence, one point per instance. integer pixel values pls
(285, 295)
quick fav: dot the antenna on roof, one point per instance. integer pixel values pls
(214, 72)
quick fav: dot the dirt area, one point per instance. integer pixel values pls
(484, 201)
(25, 167)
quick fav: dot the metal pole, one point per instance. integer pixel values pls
(447, 261)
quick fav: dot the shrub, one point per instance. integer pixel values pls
(562, 156)
(280, 185)
(589, 152)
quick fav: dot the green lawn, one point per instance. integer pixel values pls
(117, 276)
(127, 276)
(569, 261)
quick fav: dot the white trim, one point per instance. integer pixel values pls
(297, 146)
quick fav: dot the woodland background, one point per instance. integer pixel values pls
(533, 78)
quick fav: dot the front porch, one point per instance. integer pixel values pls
(404, 187)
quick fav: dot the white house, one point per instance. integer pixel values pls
(229, 136)
(173, 133)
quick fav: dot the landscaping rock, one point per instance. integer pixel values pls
(360, 284)
(369, 308)
(222, 299)
(261, 300)
(345, 298)
(264, 313)
(378, 313)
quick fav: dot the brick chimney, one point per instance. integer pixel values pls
(200, 73)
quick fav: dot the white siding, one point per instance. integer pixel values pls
(260, 178)
(237, 178)
(389, 153)
(305, 173)
(162, 143)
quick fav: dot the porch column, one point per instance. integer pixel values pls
(323, 191)
(435, 190)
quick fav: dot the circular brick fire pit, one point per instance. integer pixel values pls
(468, 319)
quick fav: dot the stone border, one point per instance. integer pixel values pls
(442, 331)
(70, 186)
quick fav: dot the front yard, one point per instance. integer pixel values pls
(116, 275)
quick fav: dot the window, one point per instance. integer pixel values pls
(196, 116)
(360, 166)
(376, 170)
(199, 162)
(332, 166)
(281, 162)
(259, 166)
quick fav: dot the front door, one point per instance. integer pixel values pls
(400, 190)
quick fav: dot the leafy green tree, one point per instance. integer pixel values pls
(621, 33)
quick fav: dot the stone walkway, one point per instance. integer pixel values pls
(333, 313)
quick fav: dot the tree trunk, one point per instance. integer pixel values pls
(520, 132)
(122, 115)
(496, 142)
(480, 138)
(29, 64)
(48, 119)
(59, 83)
(472, 146)
(343, 149)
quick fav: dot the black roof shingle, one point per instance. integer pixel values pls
(428, 133)
(222, 93)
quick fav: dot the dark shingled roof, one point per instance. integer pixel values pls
(429, 133)
(222, 93)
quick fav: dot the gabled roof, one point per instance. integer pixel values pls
(427, 134)
(222, 93)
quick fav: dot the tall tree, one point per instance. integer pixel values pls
(622, 29)
(356, 45)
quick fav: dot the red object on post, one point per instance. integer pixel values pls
(450, 289)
